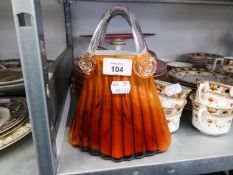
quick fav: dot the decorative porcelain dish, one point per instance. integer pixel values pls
(13, 128)
(214, 94)
(190, 76)
(173, 116)
(12, 88)
(8, 77)
(18, 112)
(211, 120)
(217, 88)
(16, 135)
(226, 64)
(172, 105)
(201, 59)
(160, 86)
(10, 64)
(15, 64)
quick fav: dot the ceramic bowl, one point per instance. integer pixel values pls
(228, 69)
(169, 102)
(201, 59)
(160, 86)
(172, 105)
(173, 113)
(210, 120)
(226, 64)
(214, 94)
(173, 108)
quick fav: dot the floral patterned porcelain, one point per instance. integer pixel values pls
(160, 85)
(10, 77)
(190, 76)
(201, 59)
(173, 109)
(10, 64)
(210, 120)
(18, 112)
(173, 105)
(16, 135)
(214, 94)
(218, 88)
(226, 63)
(173, 120)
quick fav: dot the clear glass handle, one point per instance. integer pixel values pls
(144, 66)
(102, 28)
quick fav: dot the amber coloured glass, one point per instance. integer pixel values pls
(121, 126)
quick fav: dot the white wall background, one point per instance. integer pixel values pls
(8, 42)
(180, 28)
(54, 29)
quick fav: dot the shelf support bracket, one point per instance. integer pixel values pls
(30, 36)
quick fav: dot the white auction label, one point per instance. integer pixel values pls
(113, 66)
(173, 89)
(231, 92)
(120, 87)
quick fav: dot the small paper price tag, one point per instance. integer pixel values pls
(173, 89)
(120, 87)
(231, 92)
(113, 66)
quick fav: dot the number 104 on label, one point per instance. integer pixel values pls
(113, 66)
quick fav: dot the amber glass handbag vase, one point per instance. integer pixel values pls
(119, 115)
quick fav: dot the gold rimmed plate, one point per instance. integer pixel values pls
(18, 112)
(190, 76)
(16, 135)
(10, 64)
(14, 128)
(8, 77)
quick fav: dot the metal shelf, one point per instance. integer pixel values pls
(19, 158)
(47, 92)
(165, 1)
(191, 152)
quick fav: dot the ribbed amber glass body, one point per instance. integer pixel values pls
(119, 126)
